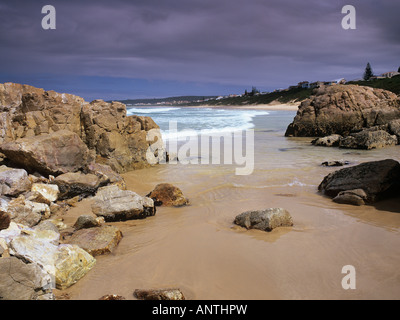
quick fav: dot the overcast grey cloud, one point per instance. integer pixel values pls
(222, 43)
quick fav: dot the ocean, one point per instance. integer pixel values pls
(198, 249)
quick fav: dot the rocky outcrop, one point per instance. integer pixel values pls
(368, 139)
(114, 204)
(343, 109)
(378, 179)
(110, 135)
(165, 194)
(329, 141)
(265, 220)
(48, 154)
(159, 294)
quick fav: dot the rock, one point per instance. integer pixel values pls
(49, 154)
(354, 197)
(265, 220)
(45, 193)
(378, 179)
(368, 139)
(86, 222)
(5, 220)
(160, 294)
(20, 281)
(112, 137)
(13, 182)
(27, 212)
(66, 264)
(47, 225)
(114, 204)
(106, 175)
(394, 129)
(74, 184)
(342, 109)
(166, 194)
(97, 241)
(329, 141)
(337, 163)
(110, 297)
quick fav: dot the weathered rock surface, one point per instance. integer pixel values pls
(13, 182)
(48, 154)
(5, 220)
(159, 294)
(97, 241)
(167, 195)
(112, 137)
(368, 139)
(394, 128)
(74, 184)
(329, 141)
(45, 193)
(265, 220)
(115, 204)
(86, 222)
(21, 281)
(106, 175)
(377, 179)
(27, 212)
(342, 109)
(355, 197)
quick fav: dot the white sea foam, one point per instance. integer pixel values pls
(144, 110)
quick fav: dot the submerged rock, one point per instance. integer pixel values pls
(159, 294)
(167, 195)
(355, 197)
(377, 179)
(368, 139)
(114, 204)
(329, 141)
(265, 220)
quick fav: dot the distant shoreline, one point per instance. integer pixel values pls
(275, 107)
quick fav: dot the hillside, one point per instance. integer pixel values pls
(390, 84)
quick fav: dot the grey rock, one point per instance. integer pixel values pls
(13, 182)
(74, 184)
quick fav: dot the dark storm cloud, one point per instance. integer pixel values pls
(239, 42)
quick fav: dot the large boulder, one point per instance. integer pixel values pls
(168, 195)
(114, 204)
(27, 212)
(114, 138)
(342, 109)
(377, 179)
(265, 220)
(13, 182)
(49, 154)
(21, 281)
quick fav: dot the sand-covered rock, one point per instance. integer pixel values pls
(343, 109)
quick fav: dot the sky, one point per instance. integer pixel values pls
(135, 49)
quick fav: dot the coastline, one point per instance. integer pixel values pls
(272, 107)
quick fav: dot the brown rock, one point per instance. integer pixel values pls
(110, 297)
(49, 154)
(13, 182)
(159, 294)
(166, 194)
(74, 184)
(5, 220)
(97, 241)
(106, 175)
(342, 109)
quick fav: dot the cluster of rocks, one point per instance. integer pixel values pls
(57, 149)
(349, 116)
(365, 183)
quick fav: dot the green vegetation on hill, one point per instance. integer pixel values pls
(166, 100)
(390, 84)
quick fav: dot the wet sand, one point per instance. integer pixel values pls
(198, 248)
